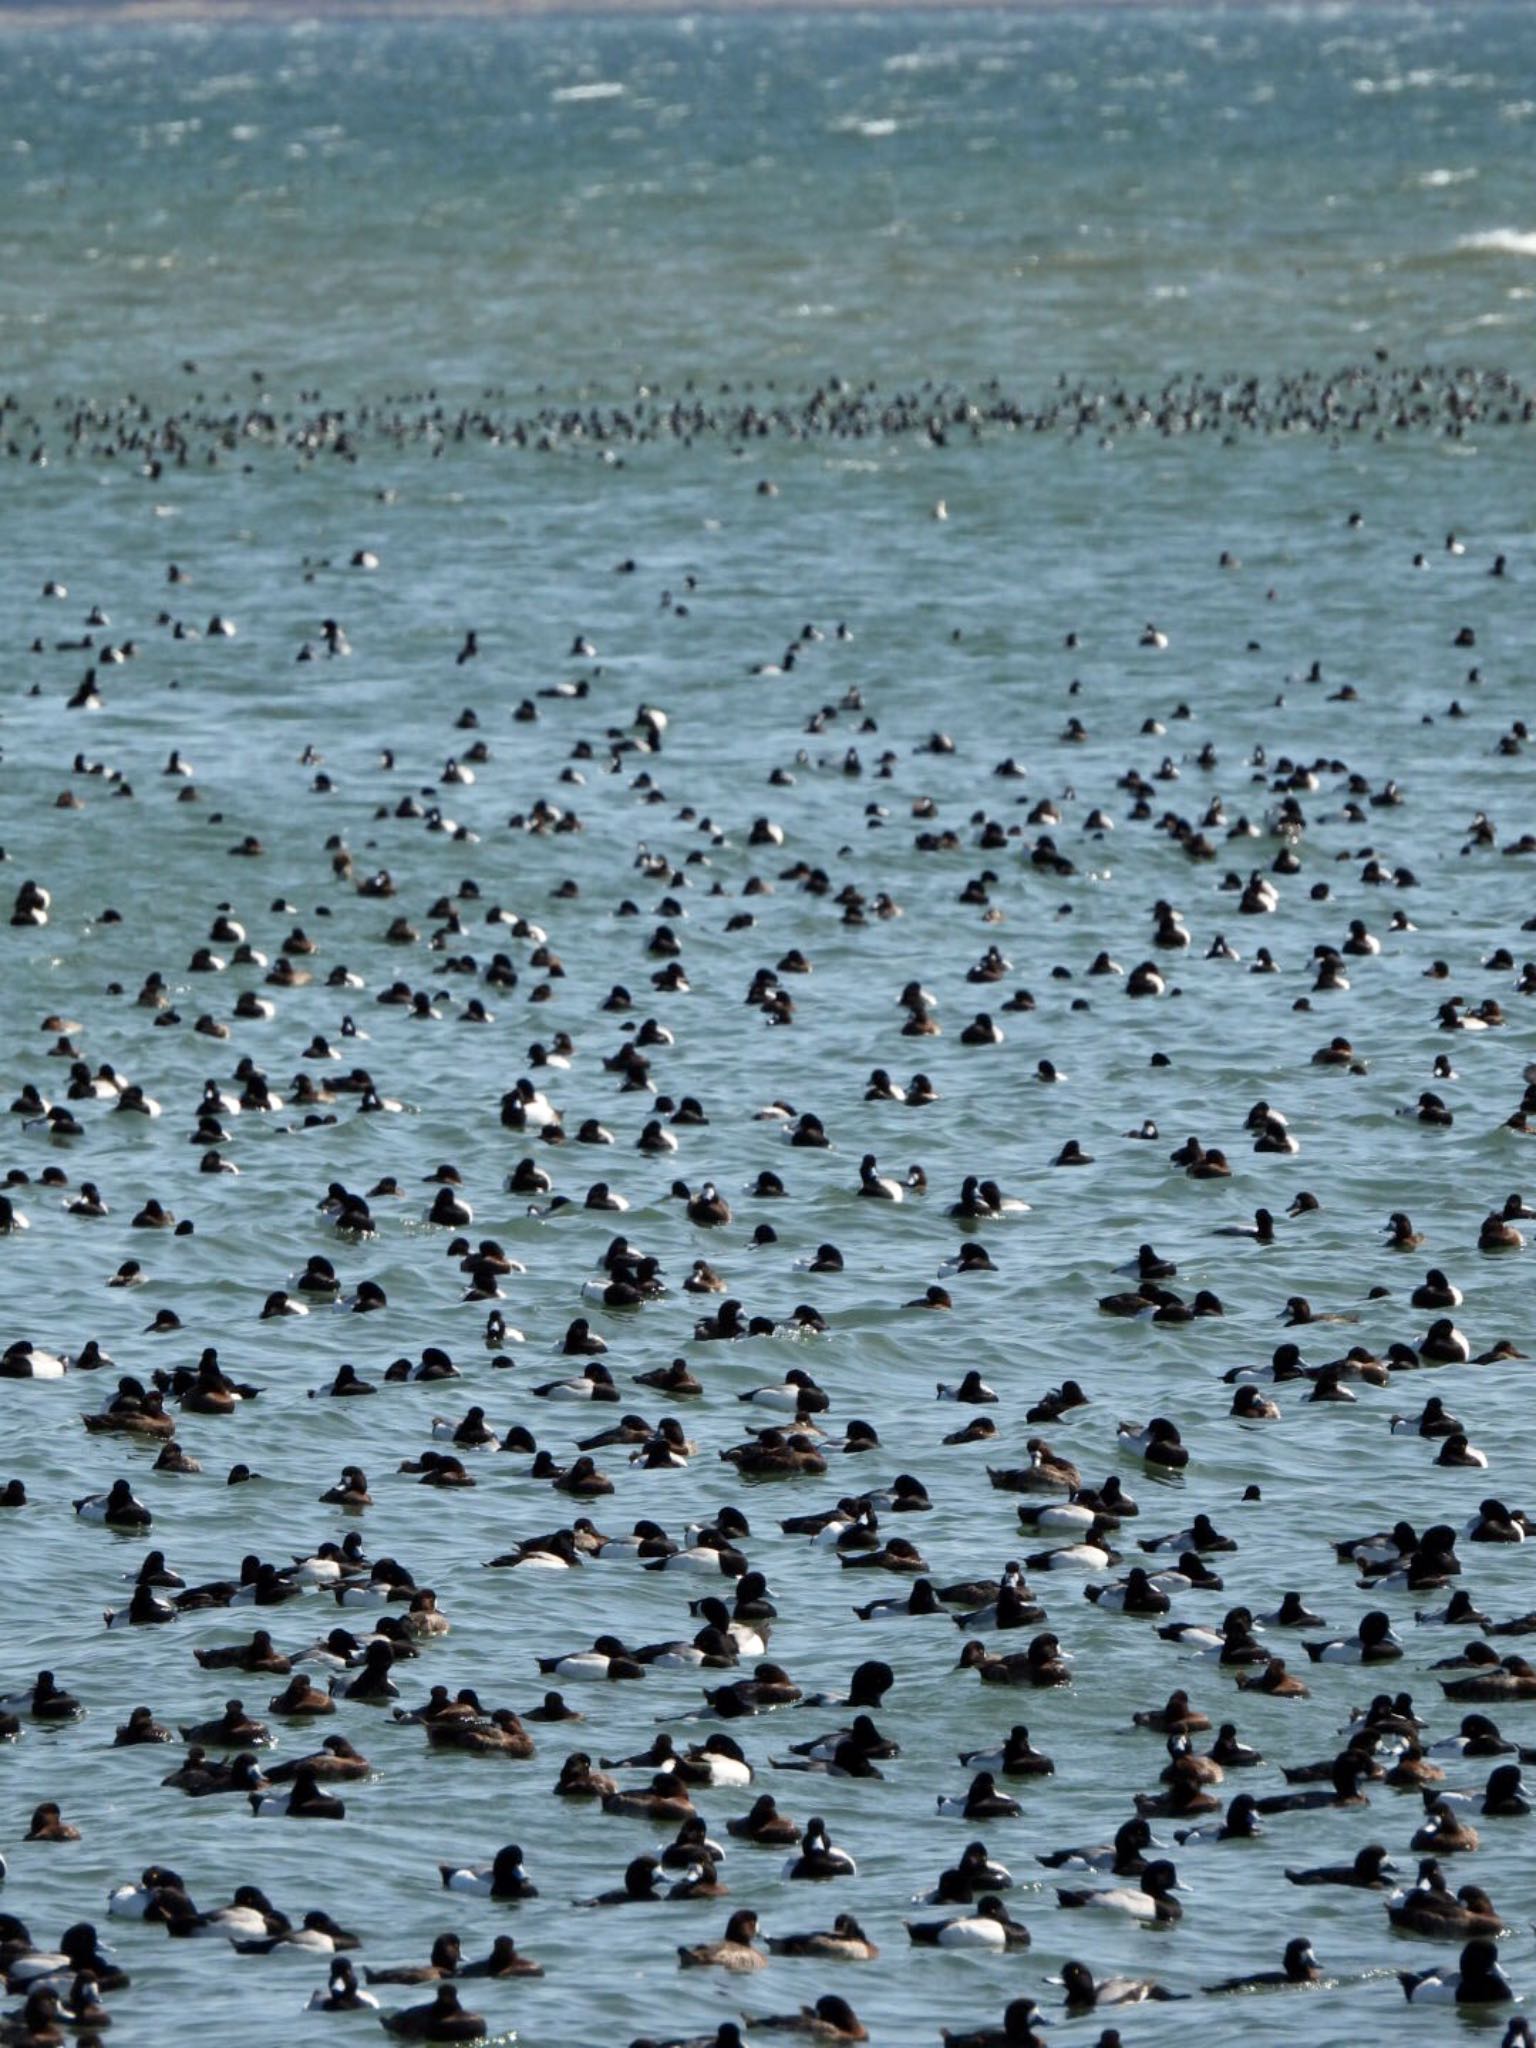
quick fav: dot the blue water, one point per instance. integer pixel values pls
(504, 304)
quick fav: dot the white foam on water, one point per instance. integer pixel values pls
(1501, 242)
(600, 89)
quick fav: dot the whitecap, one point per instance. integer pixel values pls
(1501, 242)
(600, 89)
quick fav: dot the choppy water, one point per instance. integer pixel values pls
(377, 252)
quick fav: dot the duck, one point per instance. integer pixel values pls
(727, 2035)
(1435, 1291)
(131, 1901)
(796, 1394)
(1041, 1664)
(79, 1952)
(1273, 1678)
(982, 1801)
(1092, 1555)
(1175, 1717)
(1046, 1472)
(1231, 1752)
(1299, 1970)
(737, 1951)
(1371, 1870)
(233, 1729)
(1444, 1344)
(818, 1860)
(641, 1876)
(1159, 1442)
(1374, 1642)
(1017, 2029)
(317, 1934)
(990, 1927)
(861, 1739)
(498, 1734)
(878, 1186)
(1512, 1679)
(115, 1509)
(443, 2019)
(1084, 1993)
(342, 1992)
(976, 1872)
(443, 1962)
(1123, 1857)
(505, 1959)
(718, 1760)
(1238, 1824)
(1429, 1907)
(844, 1942)
(1201, 1536)
(606, 1660)
(763, 1822)
(503, 1878)
(1344, 1775)
(593, 1383)
(1443, 1832)
(303, 1800)
(830, 2019)
(1152, 1900)
(23, 1360)
(665, 1799)
(1017, 1758)
(1477, 1736)
(1478, 1979)
(144, 1610)
(1496, 1523)
(1137, 1593)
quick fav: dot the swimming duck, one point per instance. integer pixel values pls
(607, 1659)
(1041, 1664)
(342, 1993)
(1151, 1901)
(444, 2019)
(990, 1927)
(819, 1861)
(1443, 1832)
(318, 1934)
(1017, 1758)
(736, 1952)
(639, 1888)
(1374, 1642)
(1238, 1824)
(982, 1801)
(115, 1509)
(1478, 1980)
(829, 2019)
(844, 1942)
(1122, 1857)
(1512, 1679)
(1429, 1907)
(505, 1959)
(1371, 1870)
(503, 1878)
(1084, 1993)
(1299, 1970)
(1159, 1442)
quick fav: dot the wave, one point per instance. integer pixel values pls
(1501, 242)
(605, 89)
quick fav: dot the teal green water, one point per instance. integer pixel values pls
(513, 306)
